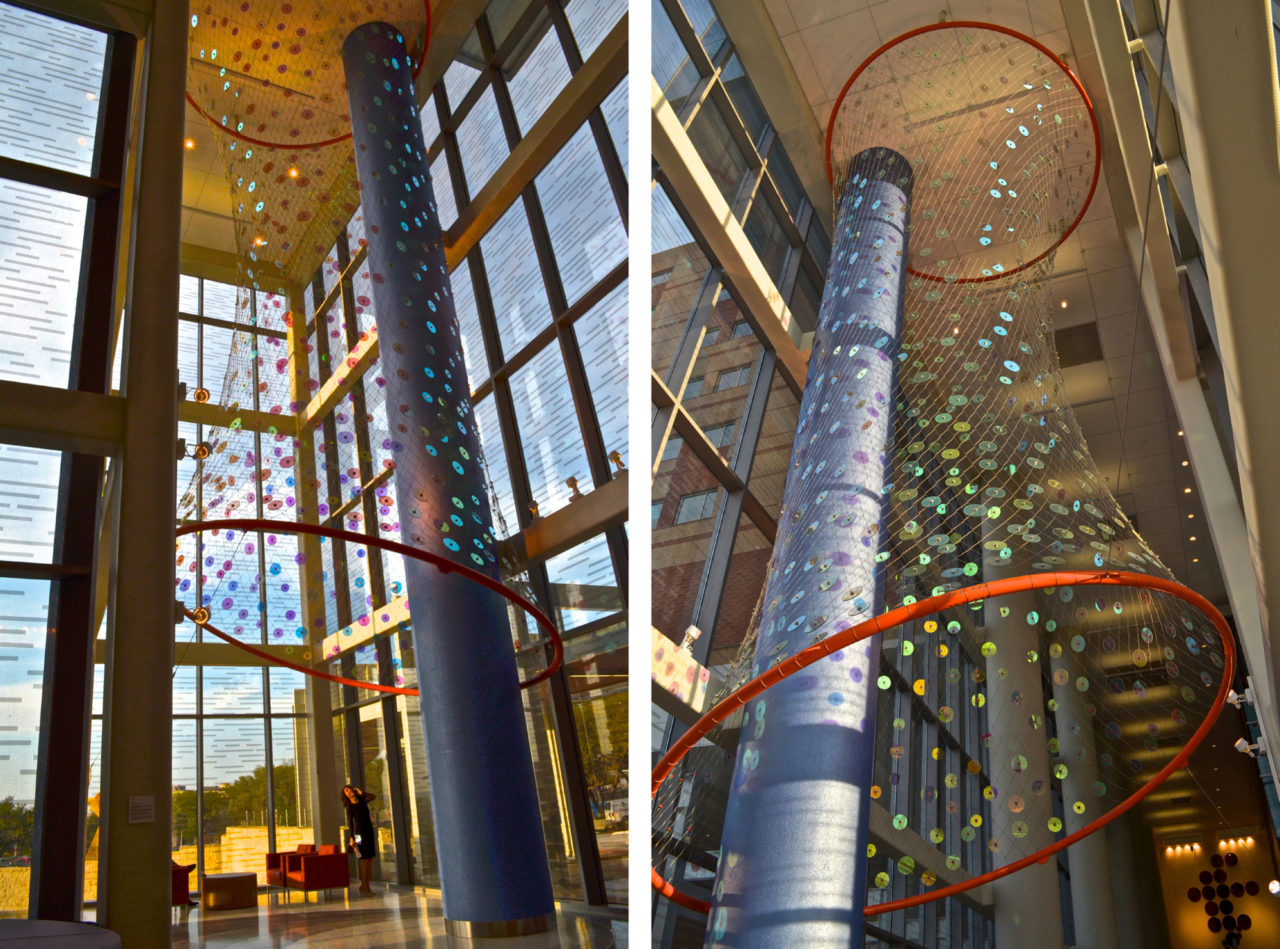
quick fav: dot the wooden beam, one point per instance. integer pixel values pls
(220, 654)
(574, 524)
(584, 92)
(339, 384)
(60, 419)
(207, 413)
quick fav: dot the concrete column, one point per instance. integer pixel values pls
(792, 869)
(493, 860)
(1028, 906)
(137, 736)
(1093, 907)
(325, 791)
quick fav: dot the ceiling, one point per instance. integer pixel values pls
(269, 174)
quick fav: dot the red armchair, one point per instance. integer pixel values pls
(327, 869)
(181, 880)
(276, 863)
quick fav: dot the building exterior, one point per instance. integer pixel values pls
(742, 210)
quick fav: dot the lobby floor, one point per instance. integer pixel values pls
(393, 916)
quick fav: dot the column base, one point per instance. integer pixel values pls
(499, 928)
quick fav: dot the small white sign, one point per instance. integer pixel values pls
(142, 809)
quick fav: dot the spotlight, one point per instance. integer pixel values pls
(1274, 887)
(1245, 748)
(190, 143)
(1237, 699)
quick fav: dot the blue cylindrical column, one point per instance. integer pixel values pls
(493, 860)
(792, 868)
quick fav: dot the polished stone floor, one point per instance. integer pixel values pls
(393, 916)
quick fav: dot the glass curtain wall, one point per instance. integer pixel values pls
(725, 415)
(63, 87)
(240, 751)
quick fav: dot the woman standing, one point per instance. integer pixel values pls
(360, 836)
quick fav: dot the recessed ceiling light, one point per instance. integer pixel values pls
(1185, 463)
(1064, 304)
(190, 143)
(1197, 560)
(293, 172)
(1186, 490)
(1193, 537)
(1179, 433)
(1190, 516)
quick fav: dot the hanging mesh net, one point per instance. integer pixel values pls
(1007, 723)
(268, 78)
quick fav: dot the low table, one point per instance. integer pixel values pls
(52, 934)
(228, 890)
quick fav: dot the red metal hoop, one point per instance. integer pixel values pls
(444, 564)
(295, 146)
(934, 604)
(977, 25)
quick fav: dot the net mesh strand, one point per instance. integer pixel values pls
(1004, 725)
(268, 79)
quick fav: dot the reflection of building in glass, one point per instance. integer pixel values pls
(286, 395)
(738, 148)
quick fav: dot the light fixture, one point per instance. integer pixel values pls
(1190, 516)
(1185, 462)
(1274, 887)
(1186, 490)
(1237, 699)
(293, 171)
(1195, 559)
(1179, 433)
(1064, 304)
(190, 143)
(259, 241)
(1193, 537)
(1242, 745)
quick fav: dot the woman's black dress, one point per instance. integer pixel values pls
(360, 824)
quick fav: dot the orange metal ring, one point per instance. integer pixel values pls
(974, 24)
(935, 604)
(335, 533)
